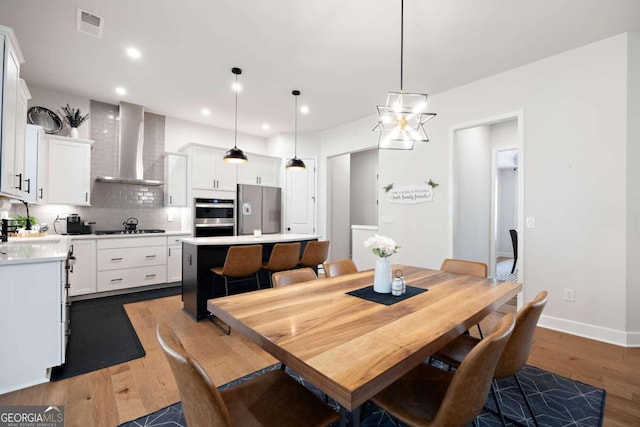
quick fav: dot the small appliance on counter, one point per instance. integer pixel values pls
(8, 226)
(75, 225)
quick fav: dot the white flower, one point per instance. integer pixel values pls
(381, 246)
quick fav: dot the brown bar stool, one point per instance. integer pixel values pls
(284, 256)
(315, 253)
(240, 263)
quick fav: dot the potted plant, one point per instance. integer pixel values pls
(74, 118)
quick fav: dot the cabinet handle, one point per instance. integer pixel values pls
(86, 197)
(150, 256)
(116, 280)
(190, 260)
(42, 193)
(170, 199)
(28, 182)
(19, 176)
(150, 276)
(169, 251)
(116, 259)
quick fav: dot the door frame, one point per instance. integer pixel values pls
(517, 115)
(285, 195)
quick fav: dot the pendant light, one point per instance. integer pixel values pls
(295, 163)
(235, 155)
(401, 120)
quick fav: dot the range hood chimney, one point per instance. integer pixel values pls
(130, 148)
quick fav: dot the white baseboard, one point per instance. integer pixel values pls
(585, 330)
(505, 254)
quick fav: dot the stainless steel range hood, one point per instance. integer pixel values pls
(130, 148)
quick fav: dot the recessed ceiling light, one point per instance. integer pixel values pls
(304, 109)
(133, 53)
(236, 87)
(265, 126)
(205, 112)
(121, 91)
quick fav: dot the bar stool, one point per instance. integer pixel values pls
(240, 263)
(315, 253)
(284, 256)
(290, 277)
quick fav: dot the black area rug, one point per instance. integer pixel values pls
(102, 334)
(558, 401)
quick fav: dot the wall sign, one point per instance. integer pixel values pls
(411, 194)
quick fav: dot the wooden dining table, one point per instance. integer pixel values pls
(349, 347)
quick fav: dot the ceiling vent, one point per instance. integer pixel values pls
(89, 23)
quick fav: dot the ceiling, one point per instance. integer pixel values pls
(344, 55)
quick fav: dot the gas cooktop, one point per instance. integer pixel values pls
(141, 231)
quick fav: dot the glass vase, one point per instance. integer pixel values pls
(382, 276)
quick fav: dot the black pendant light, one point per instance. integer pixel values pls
(235, 155)
(295, 164)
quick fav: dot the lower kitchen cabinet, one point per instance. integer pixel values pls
(174, 258)
(82, 275)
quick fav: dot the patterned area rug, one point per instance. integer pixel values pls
(557, 401)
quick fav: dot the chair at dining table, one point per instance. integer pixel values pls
(339, 268)
(290, 277)
(515, 354)
(470, 268)
(428, 396)
(270, 399)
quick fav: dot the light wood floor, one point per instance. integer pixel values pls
(124, 392)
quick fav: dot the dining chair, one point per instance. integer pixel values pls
(470, 268)
(428, 396)
(284, 256)
(240, 263)
(514, 243)
(270, 399)
(290, 277)
(339, 268)
(314, 254)
(515, 354)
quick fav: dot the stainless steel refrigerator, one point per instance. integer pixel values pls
(259, 208)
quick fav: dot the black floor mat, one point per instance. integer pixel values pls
(102, 334)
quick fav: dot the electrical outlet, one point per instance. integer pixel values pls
(169, 217)
(569, 295)
(531, 222)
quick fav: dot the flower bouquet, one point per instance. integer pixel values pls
(383, 247)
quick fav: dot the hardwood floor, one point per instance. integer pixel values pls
(124, 392)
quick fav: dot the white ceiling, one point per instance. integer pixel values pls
(342, 54)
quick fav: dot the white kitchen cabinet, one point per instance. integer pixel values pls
(131, 262)
(174, 258)
(32, 300)
(208, 170)
(260, 170)
(11, 150)
(175, 180)
(82, 276)
(69, 170)
(34, 171)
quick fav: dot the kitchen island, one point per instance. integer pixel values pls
(200, 254)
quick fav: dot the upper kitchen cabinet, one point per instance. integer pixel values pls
(260, 170)
(69, 170)
(175, 179)
(208, 170)
(11, 119)
(35, 166)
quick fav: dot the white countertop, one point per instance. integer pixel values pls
(58, 237)
(248, 239)
(32, 252)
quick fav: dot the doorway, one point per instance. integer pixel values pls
(487, 190)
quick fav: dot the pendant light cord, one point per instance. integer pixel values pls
(295, 131)
(235, 134)
(401, 41)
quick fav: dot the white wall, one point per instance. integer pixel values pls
(575, 147)
(364, 191)
(339, 229)
(55, 100)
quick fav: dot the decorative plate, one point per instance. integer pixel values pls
(46, 118)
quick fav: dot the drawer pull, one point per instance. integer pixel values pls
(150, 276)
(116, 280)
(150, 256)
(116, 259)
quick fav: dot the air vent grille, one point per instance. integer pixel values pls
(89, 23)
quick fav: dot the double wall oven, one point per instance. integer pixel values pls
(214, 217)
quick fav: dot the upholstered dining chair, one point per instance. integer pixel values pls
(290, 277)
(270, 399)
(428, 396)
(514, 244)
(315, 253)
(240, 263)
(284, 256)
(470, 268)
(515, 354)
(339, 268)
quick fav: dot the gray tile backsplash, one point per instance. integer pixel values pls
(111, 204)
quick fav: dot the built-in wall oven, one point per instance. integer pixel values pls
(214, 217)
